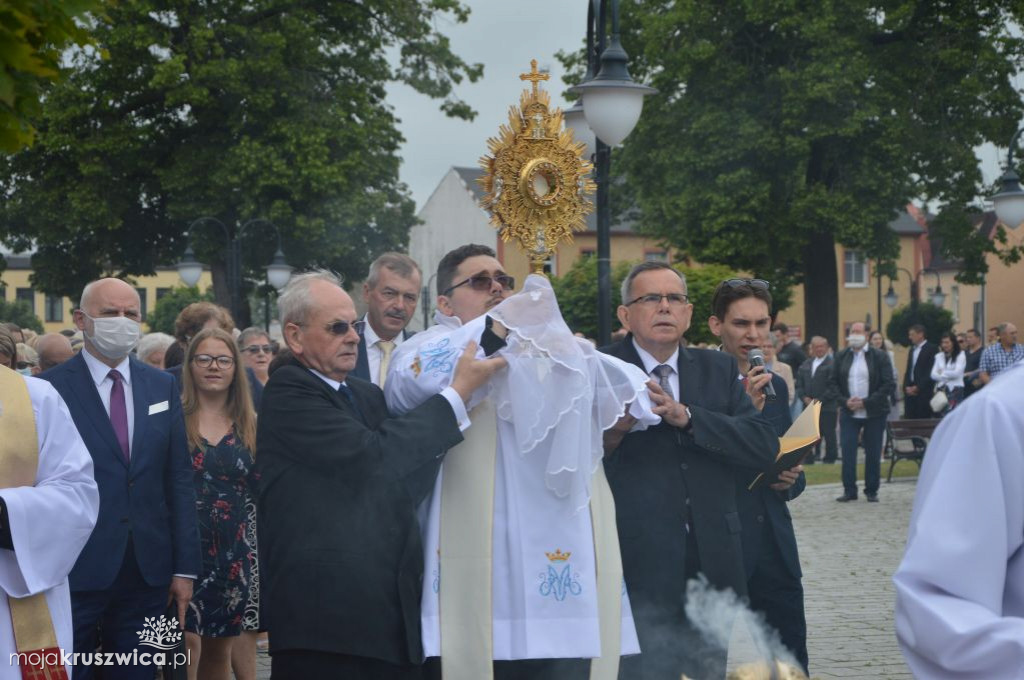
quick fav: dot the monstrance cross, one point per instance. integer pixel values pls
(534, 76)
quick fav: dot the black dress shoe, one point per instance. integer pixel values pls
(872, 497)
(846, 499)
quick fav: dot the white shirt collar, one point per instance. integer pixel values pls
(99, 370)
(443, 319)
(920, 344)
(330, 381)
(650, 363)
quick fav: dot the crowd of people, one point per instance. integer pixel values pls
(320, 489)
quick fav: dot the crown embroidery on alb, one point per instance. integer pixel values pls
(558, 555)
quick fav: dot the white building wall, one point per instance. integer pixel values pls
(451, 218)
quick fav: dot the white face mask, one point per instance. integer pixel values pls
(114, 336)
(856, 340)
(25, 371)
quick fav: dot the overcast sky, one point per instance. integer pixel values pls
(504, 36)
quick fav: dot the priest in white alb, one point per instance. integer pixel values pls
(960, 587)
(521, 551)
(48, 507)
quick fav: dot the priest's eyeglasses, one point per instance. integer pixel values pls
(205, 361)
(483, 283)
(654, 299)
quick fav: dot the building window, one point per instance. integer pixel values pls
(28, 296)
(656, 255)
(142, 302)
(551, 265)
(161, 292)
(587, 252)
(956, 304)
(855, 269)
(54, 308)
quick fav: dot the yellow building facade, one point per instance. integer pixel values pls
(55, 311)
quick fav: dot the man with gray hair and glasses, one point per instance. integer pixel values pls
(340, 480)
(391, 292)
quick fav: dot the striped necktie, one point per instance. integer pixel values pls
(663, 372)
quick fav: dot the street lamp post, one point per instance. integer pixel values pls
(278, 271)
(612, 103)
(938, 297)
(1009, 201)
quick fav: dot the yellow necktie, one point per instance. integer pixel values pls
(386, 347)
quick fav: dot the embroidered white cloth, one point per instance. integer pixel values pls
(50, 522)
(553, 402)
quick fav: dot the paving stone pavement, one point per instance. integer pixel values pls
(848, 552)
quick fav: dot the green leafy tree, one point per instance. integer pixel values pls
(576, 291)
(781, 129)
(32, 35)
(20, 313)
(235, 109)
(161, 318)
(935, 320)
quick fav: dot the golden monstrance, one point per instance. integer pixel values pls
(536, 180)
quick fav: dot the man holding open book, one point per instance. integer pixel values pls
(741, 320)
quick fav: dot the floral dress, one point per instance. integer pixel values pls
(224, 478)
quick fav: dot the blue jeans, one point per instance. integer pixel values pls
(849, 429)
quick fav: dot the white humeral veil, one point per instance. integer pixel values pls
(544, 577)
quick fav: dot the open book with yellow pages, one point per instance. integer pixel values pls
(796, 443)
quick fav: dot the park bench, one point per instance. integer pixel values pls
(907, 440)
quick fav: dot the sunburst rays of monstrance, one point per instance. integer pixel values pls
(536, 180)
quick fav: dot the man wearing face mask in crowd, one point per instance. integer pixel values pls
(144, 551)
(862, 379)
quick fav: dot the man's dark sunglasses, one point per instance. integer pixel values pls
(483, 283)
(256, 349)
(341, 327)
(757, 284)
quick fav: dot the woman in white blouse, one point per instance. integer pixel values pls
(948, 370)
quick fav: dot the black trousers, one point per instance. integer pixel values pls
(917, 407)
(827, 427)
(670, 645)
(314, 665)
(524, 669)
(778, 594)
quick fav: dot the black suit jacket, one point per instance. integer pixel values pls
(653, 473)
(341, 558)
(818, 386)
(880, 380)
(763, 511)
(920, 374)
(362, 369)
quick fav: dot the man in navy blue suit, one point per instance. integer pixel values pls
(740, 318)
(391, 292)
(144, 551)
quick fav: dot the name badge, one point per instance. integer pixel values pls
(158, 408)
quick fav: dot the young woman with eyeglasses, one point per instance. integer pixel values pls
(220, 424)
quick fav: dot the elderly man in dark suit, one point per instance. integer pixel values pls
(918, 385)
(740, 318)
(862, 381)
(674, 484)
(341, 558)
(391, 291)
(812, 382)
(144, 551)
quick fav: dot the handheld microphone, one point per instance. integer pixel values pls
(755, 357)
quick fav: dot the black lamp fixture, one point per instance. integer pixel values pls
(609, 106)
(1009, 201)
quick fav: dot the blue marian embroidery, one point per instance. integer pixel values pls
(559, 581)
(438, 357)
